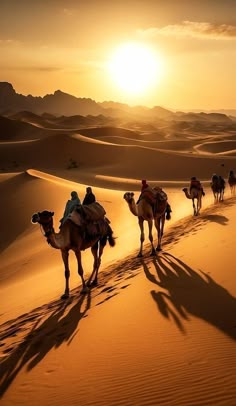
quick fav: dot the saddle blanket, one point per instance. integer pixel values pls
(93, 211)
(87, 213)
(152, 195)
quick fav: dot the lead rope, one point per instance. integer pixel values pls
(41, 228)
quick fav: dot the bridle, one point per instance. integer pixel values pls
(46, 225)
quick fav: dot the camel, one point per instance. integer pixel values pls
(232, 182)
(195, 195)
(143, 209)
(218, 188)
(75, 238)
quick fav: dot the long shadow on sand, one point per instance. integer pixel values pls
(216, 218)
(59, 327)
(25, 341)
(188, 292)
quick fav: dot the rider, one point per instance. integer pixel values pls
(196, 184)
(70, 205)
(144, 186)
(89, 197)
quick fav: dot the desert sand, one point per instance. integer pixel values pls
(157, 330)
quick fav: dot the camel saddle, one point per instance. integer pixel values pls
(93, 211)
(87, 214)
(153, 195)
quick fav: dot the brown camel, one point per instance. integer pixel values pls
(232, 182)
(144, 211)
(196, 196)
(218, 188)
(75, 238)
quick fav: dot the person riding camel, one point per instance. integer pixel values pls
(89, 197)
(70, 206)
(196, 184)
(144, 187)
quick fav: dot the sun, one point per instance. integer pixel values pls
(135, 68)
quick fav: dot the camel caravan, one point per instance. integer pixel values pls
(217, 184)
(86, 226)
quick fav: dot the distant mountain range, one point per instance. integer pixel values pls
(63, 104)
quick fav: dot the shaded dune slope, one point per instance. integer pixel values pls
(13, 130)
(109, 159)
(21, 195)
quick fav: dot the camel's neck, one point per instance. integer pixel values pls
(133, 207)
(191, 195)
(56, 240)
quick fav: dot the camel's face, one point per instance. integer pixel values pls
(44, 217)
(128, 196)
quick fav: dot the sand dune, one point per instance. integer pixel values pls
(157, 330)
(56, 151)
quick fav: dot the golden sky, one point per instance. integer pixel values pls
(47, 45)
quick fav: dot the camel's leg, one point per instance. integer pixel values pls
(150, 236)
(199, 204)
(81, 271)
(194, 208)
(160, 223)
(97, 251)
(65, 257)
(142, 236)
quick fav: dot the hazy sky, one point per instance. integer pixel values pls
(55, 44)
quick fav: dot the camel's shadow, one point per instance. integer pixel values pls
(216, 218)
(59, 327)
(55, 323)
(191, 293)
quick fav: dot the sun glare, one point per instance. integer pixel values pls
(135, 68)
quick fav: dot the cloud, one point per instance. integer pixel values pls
(193, 29)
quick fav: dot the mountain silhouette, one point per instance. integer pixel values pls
(64, 104)
(58, 103)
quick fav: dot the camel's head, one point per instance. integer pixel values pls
(128, 196)
(44, 218)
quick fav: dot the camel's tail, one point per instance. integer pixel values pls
(168, 211)
(110, 237)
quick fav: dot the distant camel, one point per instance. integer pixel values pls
(144, 211)
(218, 188)
(194, 195)
(232, 182)
(74, 237)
